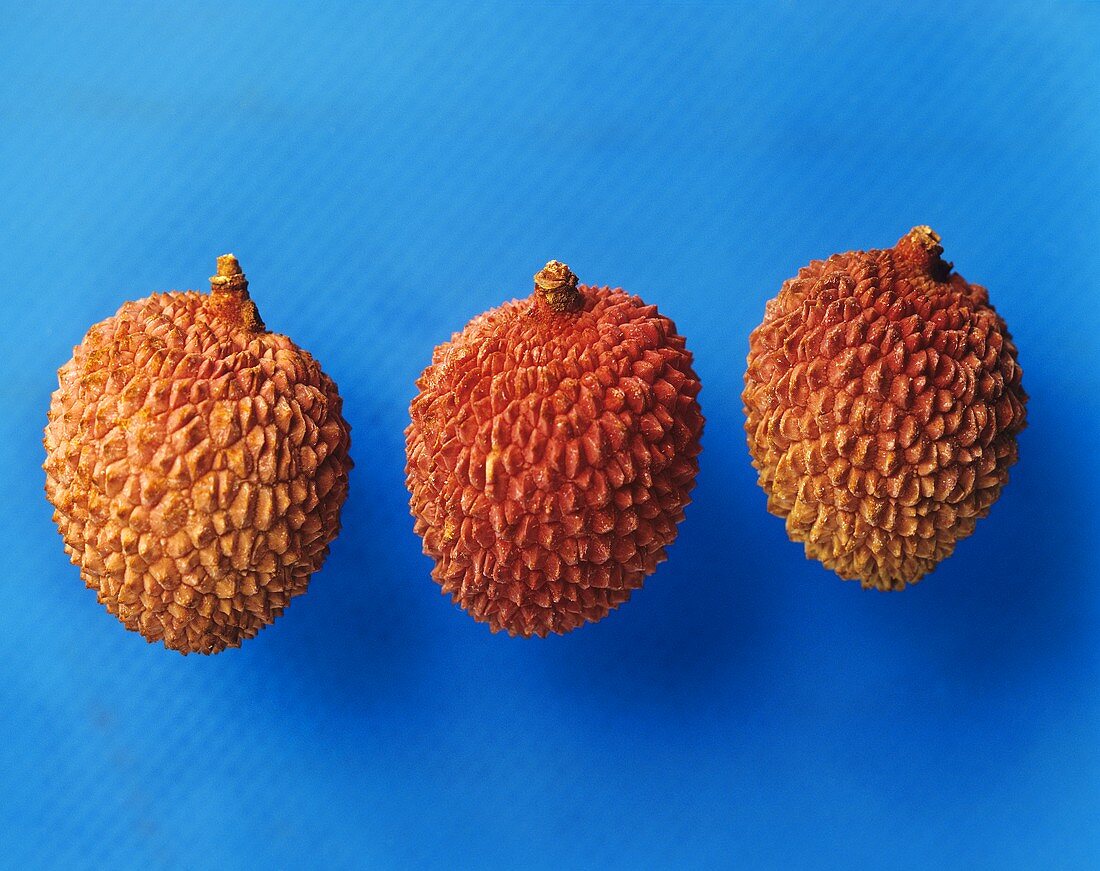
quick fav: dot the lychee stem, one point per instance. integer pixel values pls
(230, 277)
(556, 285)
(922, 245)
(229, 301)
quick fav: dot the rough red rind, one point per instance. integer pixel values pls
(197, 465)
(882, 401)
(550, 457)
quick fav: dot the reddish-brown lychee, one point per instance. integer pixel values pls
(197, 464)
(552, 448)
(883, 400)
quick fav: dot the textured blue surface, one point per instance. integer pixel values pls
(384, 174)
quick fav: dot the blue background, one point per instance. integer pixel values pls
(384, 174)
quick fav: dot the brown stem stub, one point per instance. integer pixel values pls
(922, 244)
(229, 301)
(556, 284)
(230, 277)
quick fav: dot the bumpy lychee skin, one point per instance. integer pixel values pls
(552, 449)
(197, 464)
(883, 400)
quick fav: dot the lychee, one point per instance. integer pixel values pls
(552, 449)
(197, 463)
(883, 400)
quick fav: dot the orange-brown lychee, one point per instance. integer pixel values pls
(883, 400)
(552, 448)
(197, 464)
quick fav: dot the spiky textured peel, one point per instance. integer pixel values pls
(551, 452)
(882, 399)
(197, 465)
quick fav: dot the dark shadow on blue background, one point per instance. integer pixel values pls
(701, 632)
(1021, 595)
(362, 639)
